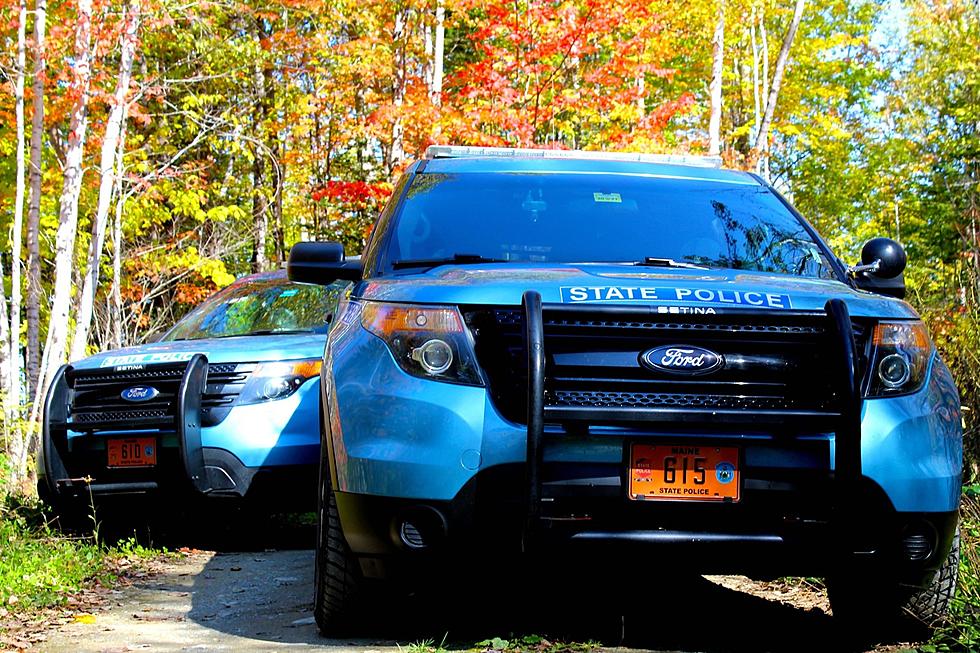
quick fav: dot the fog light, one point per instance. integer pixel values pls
(894, 370)
(435, 356)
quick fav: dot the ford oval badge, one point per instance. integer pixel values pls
(682, 359)
(139, 393)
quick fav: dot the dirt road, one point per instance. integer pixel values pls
(261, 600)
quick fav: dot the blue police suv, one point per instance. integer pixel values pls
(628, 359)
(224, 405)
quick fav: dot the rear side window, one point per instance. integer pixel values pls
(575, 218)
(259, 307)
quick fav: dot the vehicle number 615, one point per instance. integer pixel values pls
(695, 470)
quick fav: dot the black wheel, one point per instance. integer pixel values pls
(865, 604)
(338, 583)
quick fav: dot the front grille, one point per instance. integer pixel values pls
(96, 401)
(777, 364)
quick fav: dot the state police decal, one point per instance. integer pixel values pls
(608, 294)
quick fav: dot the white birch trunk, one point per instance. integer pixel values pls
(54, 353)
(34, 206)
(398, 91)
(756, 94)
(107, 180)
(439, 53)
(116, 311)
(12, 384)
(762, 138)
(714, 89)
(4, 356)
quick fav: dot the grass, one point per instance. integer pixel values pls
(522, 644)
(962, 630)
(41, 567)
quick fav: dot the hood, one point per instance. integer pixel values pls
(701, 291)
(237, 349)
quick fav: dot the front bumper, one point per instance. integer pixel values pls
(267, 450)
(399, 443)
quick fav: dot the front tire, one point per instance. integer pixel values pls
(339, 582)
(859, 602)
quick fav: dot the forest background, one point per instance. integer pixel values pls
(153, 150)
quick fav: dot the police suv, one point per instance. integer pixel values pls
(628, 357)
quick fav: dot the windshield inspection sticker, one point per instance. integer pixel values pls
(147, 359)
(598, 294)
(607, 198)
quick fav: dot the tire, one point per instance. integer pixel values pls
(865, 604)
(338, 583)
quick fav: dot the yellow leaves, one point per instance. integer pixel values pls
(84, 618)
(216, 272)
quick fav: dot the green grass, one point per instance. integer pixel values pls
(962, 631)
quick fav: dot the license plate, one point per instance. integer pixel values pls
(132, 452)
(673, 472)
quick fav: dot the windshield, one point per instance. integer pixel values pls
(603, 217)
(257, 307)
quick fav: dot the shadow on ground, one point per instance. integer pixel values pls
(257, 588)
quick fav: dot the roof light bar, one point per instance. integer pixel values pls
(459, 151)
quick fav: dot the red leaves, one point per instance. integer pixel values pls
(355, 193)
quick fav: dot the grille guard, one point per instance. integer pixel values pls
(845, 422)
(186, 422)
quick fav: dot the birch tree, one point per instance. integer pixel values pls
(34, 208)
(107, 178)
(12, 385)
(438, 56)
(54, 353)
(714, 89)
(760, 150)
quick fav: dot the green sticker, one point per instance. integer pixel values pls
(613, 198)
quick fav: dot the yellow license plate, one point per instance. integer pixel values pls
(132, 452)
(675, 472)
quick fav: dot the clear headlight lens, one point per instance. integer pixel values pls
(899, 358)
(430, 342)
(271, 381)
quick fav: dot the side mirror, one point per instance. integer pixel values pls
(882, 262)
(321, 263)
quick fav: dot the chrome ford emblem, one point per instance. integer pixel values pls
(682, 359)
(139, 393)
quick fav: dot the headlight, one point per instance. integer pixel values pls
(430, 342)
(899, 357)
(271, 381)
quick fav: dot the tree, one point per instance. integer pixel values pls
(761, 146)
(34, 208)
(107, 177)
(54, 350)
(717, 69)
(12, 385)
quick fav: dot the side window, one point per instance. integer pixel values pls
(376, 241)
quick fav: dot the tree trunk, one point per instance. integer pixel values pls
(68, 214)
(260, 204)
(714, 89)
(116, 311)
(4, 354)
(756, 95)
(762, 139)
(34, 207)
(439, 53)
(12, 382)
(396, 152)
(107, 180)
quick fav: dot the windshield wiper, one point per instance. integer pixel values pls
(455, 259)
(263, 332)
(653, 262)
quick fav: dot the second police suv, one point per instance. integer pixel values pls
(625, 356)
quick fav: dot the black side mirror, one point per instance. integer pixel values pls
(321, 263)
(882, 262)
